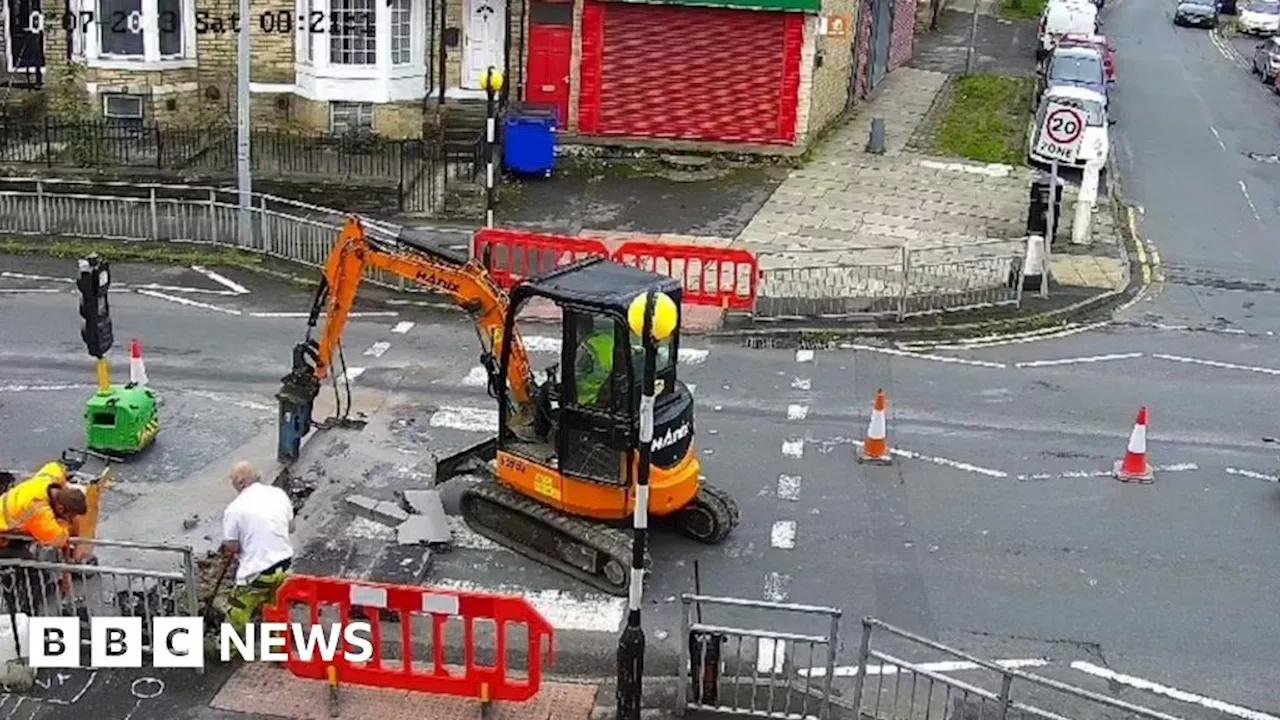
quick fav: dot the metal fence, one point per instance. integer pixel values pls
(887, 687)
(42, 585)
(737, 670)
(893, 282)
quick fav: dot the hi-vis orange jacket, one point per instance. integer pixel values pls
(25, 507)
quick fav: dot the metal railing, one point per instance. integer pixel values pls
(895, 282)
(751, 672)
(33, 585)
(892, 688)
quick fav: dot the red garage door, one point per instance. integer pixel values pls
(690, 73)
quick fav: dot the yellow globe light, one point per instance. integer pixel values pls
(492, 81)
(665, 315)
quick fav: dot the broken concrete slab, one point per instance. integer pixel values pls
(361, 505)
(434, 527)
(401, 565)
(421, 530)
(379, 511)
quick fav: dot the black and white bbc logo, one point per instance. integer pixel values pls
(116, 642)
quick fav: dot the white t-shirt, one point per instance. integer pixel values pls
(259, 519)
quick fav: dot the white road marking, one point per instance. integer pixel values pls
(1215, 364)
(29, 290)
(176, 289)
(28, 276)
(1180, 695)
(352, 373)
(692, 356)
(222, 280)
(945, 462)
(402, 327)
(42, 388)
(789, 487)
(588, 612)
(777, 587)
(793, 448)
(1079, 474)
(477, 377)
(797, 412)
(376, 313)
(424, 303)
(804, 356)
(771, 656)
(783, 535)
(1253, 475)
(1217, 137)
(923, 356)
(465, 419)
(378, 349)
(1245, 189)
(990, 341)
(801, 384)
(542, 344)
(217, 397)
(693, 387)
(1077, 360)
(188, 303)
(946, 666)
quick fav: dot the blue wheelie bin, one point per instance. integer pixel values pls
(529, 141)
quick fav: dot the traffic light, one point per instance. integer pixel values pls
(94, 281)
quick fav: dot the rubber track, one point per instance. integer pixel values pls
(723, 509)
(611, 542)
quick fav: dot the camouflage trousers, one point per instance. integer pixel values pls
(242, 604)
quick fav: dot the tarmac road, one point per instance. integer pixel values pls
(996, 530)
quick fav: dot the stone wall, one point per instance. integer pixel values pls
(829, 84)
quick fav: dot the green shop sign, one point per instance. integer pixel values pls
(809, 6)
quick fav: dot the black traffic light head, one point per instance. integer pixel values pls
(93, 283)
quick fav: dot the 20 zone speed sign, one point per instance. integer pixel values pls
(1061, 132)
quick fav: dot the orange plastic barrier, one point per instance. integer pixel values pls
(412, 607)
(727, 278)
(518, 254)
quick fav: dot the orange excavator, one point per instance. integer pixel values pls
(557, 482)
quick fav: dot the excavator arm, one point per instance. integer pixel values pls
(465, 280)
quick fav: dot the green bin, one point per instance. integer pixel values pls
(122, 419)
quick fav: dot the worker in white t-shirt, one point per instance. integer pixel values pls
(255, 531)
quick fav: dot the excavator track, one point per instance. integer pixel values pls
(596, 554)
(710, 518)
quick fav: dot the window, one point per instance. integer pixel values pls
(542, 12)
(122, 107)
(401, 31)
(1077, 69)
(169, 26)
(120, 30)
(125, 32)
(346, 117)
(353, 39)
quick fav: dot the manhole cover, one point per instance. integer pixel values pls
(1272, 159)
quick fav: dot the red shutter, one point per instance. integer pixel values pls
(690, 73)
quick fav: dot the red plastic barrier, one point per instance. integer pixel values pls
(727, 278)
(418, 607)
(518, 254)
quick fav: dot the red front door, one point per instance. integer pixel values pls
(550, 54)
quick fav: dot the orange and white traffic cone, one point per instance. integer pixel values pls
(137, 370)
(875, 446)
(1135, 468)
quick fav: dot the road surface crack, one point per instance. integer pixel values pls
(1088, 647)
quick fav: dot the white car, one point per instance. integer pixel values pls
(1259, 17)
(1096, 145)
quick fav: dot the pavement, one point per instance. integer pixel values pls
(997, 529)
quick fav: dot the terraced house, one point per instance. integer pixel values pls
(738, 72)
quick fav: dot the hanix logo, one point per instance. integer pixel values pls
(671, 437)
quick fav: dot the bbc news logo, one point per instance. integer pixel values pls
(178, 642)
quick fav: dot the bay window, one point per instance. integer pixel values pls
(138, 34)
(368, 51)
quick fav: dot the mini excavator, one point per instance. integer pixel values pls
(556, 483)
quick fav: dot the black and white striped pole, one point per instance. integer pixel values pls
(492, 86)
(652, 316)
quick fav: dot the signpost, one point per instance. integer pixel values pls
(1058, 139)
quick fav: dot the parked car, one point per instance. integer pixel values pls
(1077, 67)
(1099, 43)
(1259, 17)
(1266, 60)
(1096, 145)
(1061, 18)
(1196, 13)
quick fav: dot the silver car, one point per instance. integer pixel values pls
(1266, 59)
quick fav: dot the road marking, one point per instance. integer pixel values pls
(352, 373)
(188, 303)
(29, 290)
(1217, 137)
(797, 412)
(777, 587)
(175, 288)
(1077, 360)
(477, 377)
(946, 666)
(789, 487)
(28, 276)
(222, 280)
(1216, 364)
(217, 397)
(1253, 475)
(1245, 189)
(424, 303)
(793, 448)
(801, 384)
(1080, 474)
(945, 462)
(1169, 692)
(922, 356)
(402, 327)
(466, 419)
(783, 535)
(376, 313)
(588, 612)
(804, 356)
(42, 388)
(378, 349)
(990, 341)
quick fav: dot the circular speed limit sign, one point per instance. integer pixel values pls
(1063, 126)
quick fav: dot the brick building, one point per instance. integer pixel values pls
(760, 72)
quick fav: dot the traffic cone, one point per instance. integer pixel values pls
(875, 446)
(1135, 468)
(137, 370)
